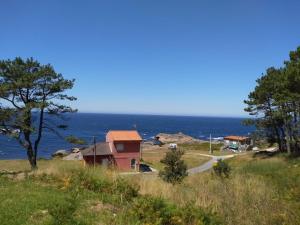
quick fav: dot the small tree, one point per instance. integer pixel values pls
(175, 169)
(31, 93)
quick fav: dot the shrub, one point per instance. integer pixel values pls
(175, 169)
(221, 168)
(156, 211)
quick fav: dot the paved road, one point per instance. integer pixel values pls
(208, 165)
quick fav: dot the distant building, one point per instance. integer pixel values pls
(121, 149)
(239, 143)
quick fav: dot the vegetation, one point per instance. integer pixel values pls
(275, 102)
(71, 194)
(155, 155)
(32, 92)
(203, 148)
(259, 190)
(222, 169)
(175, 169)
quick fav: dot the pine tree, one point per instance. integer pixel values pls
(31, 94)
(175, 169)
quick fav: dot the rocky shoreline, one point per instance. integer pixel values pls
(179, 138)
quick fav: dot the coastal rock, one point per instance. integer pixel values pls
(75, 150)
(60, 153)
(177, 138)
(74, 156)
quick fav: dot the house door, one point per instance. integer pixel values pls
(133, 164)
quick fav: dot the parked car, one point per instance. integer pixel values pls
(145, 168)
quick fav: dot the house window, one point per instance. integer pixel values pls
(120, 147)
(133, 164)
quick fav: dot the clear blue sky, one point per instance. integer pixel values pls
(154, 57)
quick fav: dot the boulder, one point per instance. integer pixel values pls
(74, 156)
(60, 153)
(75, 150)
(176, 138)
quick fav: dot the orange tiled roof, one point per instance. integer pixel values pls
(235, 138)
(124, 135)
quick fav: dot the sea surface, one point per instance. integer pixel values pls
(88, 125)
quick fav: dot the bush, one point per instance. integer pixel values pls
(175, 169)
(196, 216)
(221, 168)
(156, 211)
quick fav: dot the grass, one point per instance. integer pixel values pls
(259, 190)
(71, 194)
(43, 165)
(203, 148)
(153, 157)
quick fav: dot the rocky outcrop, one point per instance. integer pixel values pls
(60, 153)
(74, 156)
(178, 138)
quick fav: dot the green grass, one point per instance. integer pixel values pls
(191, 158)
(204, 148)
(69, 194)
(279, 172)
(259, 190)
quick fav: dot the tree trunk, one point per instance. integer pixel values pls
(275, 126)
(27, 132)
(288, 138)
(31, 158)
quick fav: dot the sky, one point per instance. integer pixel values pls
(165, 57)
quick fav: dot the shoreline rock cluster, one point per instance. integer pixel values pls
(179, 138)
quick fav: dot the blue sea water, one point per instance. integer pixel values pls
(87, 125)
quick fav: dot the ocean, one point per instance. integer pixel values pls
(88, 125)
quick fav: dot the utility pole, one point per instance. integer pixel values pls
(94, 151)
(141, 149)
(210, 150)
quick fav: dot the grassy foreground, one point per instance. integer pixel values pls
(260, 190)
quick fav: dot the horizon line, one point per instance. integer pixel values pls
(158, 114)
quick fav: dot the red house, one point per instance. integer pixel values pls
(121, 149)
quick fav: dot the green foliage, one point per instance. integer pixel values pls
(156, 211)
(175, 169)
(74, 140)
(275, 102)
(32, 93)
(63, 212)
(148, 210)
(116, 191)
(221, 168)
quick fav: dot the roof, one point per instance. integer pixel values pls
(102, 148)
(124, 135)
(236, 138)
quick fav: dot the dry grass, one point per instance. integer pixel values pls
(44, 166)
(204, 148)
(153, 157)
(250, 196)
(14, 165)
(259, 190)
